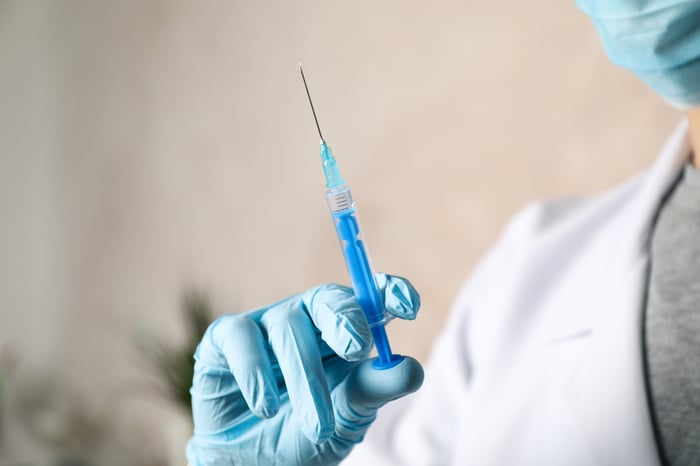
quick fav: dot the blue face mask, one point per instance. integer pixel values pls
(658, 40)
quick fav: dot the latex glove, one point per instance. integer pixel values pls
(291, 383)
(658, 40)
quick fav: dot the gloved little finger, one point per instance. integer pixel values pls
(400, 297)
(217, 402)
(293, 339)
(338, 316)
(246, 352)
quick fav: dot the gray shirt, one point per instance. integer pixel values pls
(672, 323)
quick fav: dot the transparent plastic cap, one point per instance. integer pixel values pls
(330, 167)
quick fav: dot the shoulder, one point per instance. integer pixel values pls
(546, 236)
(566, 217)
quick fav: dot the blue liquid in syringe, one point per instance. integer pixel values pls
(364, 283)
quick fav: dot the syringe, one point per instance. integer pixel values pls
(352, 242)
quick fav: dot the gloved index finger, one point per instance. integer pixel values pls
(337, 315)
(400, 297)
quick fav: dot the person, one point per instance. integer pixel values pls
(575, 341)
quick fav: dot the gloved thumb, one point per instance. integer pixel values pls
(366, 389)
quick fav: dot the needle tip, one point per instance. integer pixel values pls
(313, 110)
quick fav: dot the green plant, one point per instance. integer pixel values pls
(174, 365)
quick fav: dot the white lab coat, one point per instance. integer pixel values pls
(541, 361)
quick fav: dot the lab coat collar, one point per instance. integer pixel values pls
(658, 180)
(606, 388)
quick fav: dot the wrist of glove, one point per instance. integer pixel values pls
(291, 383)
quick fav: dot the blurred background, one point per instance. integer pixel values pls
(159, 156)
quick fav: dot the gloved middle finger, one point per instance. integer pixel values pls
(338, 316)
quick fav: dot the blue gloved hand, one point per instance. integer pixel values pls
(658, 40)
(290, 384)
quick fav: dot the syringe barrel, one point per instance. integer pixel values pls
(357, 259)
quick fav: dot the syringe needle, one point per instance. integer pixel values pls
(311, 102)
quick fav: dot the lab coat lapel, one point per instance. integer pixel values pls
(604, 383)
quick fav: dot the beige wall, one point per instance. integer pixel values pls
(146, 147)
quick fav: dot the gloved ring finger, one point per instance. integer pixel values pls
(293, 339)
